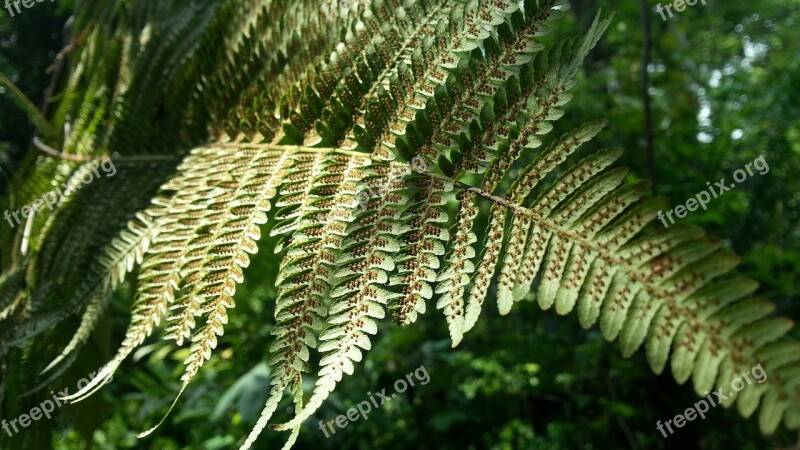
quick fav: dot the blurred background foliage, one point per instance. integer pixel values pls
(724, 82)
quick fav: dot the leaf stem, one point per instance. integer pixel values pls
(33, 113)
(77, 158)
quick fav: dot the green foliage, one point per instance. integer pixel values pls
(308, 110)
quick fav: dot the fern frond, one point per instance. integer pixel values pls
(221, 266)
(106, 249)
(358, 300)
(325, 117)
(423, 241)
(452, 281)
(108, 273)
(200, 179)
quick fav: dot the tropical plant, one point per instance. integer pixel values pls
(215, 112)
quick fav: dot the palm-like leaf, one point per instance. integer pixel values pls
(311, 110)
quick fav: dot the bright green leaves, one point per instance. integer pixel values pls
(358, 298)
(315, 251)
(211, 276)
(459, 268)
(423, 241)
(485, 272)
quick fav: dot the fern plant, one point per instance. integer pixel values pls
(291, 115)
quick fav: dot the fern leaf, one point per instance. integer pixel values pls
(356, 298)
(129, 249)
(321, 115)
(456, 276)
(423, 240)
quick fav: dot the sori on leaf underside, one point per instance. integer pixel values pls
(291, 115)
